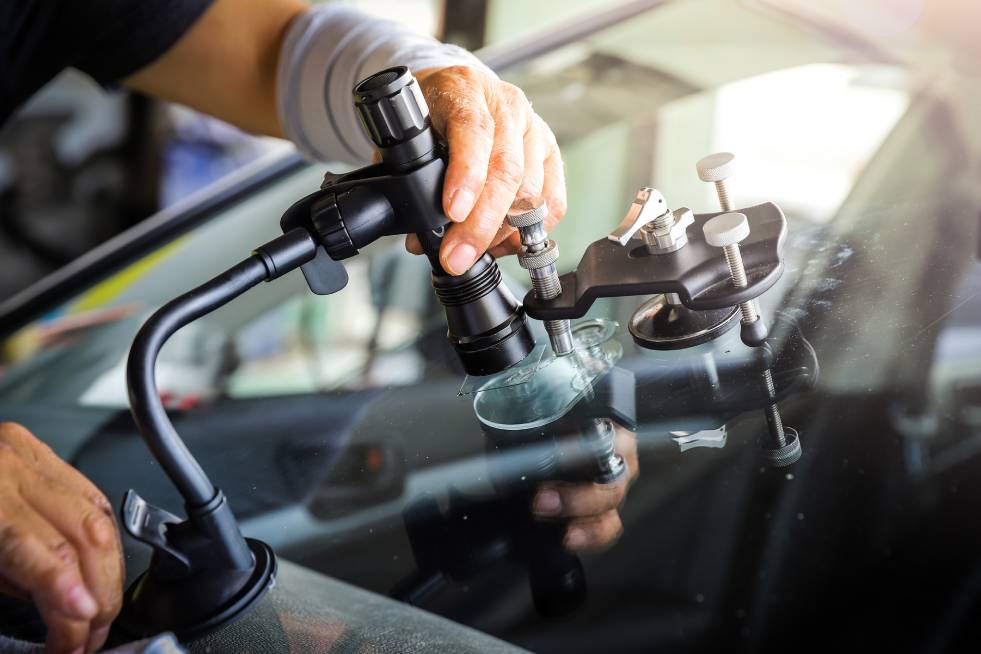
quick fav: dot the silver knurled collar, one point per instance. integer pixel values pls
(540, 259)
(533, 217)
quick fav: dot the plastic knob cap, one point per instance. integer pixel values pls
(726, 229)
(529, 218)
(716, 167)
(391, 106)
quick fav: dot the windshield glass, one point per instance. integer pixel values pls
(336, 427)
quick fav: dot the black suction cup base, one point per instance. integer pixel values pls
(193, 606)
(657, 325)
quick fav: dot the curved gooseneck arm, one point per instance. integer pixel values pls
(203, 573)
(203, 501)
(145, 404)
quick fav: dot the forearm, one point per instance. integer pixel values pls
(280, 68)
(226, 64)
(325, 53)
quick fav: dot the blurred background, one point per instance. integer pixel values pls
(860, 119)
(806, 94)
(79, 164)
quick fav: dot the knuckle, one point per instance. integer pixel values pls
(507, 168)
(460, 72)
(12, 543)
(470, 117)
(484, 123)
(65, 552)
(617, 525)
(16, 552)
(476, 124)
(557, 163)
(100, 531)
(512, 94)
(614, 526)
(50, 582)
(547, 134)
(529, 191)
(484, 225)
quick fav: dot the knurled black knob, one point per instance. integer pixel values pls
(391, 107)
(326, 219)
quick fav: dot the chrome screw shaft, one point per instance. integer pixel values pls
(773, 418)
(538, 256)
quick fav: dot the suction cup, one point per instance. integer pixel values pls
(658, 325)
(193, 605)
(547, 391)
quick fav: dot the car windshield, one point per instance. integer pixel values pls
(337, 428)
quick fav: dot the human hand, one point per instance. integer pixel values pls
(502, 156)
(592, 509)
(58, 543)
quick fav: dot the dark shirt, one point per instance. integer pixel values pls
(107, 39)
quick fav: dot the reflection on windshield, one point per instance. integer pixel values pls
(337, 432)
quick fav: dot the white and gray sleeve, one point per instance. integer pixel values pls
(327, 50)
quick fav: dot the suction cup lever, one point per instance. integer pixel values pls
(150, 525)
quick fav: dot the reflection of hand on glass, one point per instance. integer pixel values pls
(592, 509)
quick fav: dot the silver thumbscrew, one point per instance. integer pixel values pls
(726, 231)
(717, 168)
(538, 255)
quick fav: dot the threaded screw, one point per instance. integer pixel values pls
(538, 256)
(600, 440)
(773, 418)
(725, 231)
(723, 193)
(717, 168)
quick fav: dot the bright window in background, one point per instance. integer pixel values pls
(804, 135)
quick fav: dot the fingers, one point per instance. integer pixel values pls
(465, 241)
(625, 444)
(510, 245)
(471, 136)
(65, 635)
(501, 155)
(412, 244)
(458, 107)
(553, 186)
(565, 500)
(33, 561)
(592, 509)
(536, 149)
(94, 538)
(591, 534)
(43, 459)
(58, 543)
(544, 180)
